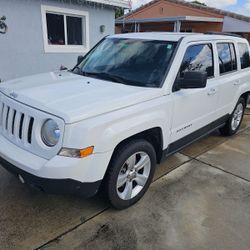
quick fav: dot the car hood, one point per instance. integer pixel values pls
(73, 97)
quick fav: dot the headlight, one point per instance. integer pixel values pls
(50, 133)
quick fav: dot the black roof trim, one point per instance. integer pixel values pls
(222, 33)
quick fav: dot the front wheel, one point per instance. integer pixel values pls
(130, 173)
(235, 119)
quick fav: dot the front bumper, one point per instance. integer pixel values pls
(53, 186)
(57, 175)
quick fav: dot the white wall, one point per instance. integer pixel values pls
(235, 25)
(22, 49)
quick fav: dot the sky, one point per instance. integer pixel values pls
(238, 6)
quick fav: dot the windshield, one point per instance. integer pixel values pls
(129, 61)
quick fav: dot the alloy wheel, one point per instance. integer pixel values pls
(237, 116)
(133, 175)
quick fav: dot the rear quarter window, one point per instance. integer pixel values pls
(244, 55)
(227, 57)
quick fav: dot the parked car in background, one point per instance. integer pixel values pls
(132, 101)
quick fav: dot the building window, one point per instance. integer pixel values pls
(227, 57)
(65, 30)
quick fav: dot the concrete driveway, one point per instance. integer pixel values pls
(202, 204)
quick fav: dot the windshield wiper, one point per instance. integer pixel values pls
(76, 70)
(114, 78)
(106, 76)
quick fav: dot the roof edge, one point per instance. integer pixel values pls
(192, 5)
(172, 19)
(117, 3)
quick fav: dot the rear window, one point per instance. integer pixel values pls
(227, 57)
(244, 55)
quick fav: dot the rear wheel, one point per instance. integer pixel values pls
(234, 121)
(130, 173)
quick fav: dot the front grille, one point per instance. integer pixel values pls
(15, 124)
(21, 125)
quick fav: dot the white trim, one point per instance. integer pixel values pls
(48, 48)
(118, 3)
(235, 25)
(170, 19)
(65, 30)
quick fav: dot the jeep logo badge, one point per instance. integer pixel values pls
(14, 95)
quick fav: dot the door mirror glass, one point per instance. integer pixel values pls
(193, 80)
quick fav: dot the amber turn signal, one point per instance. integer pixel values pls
(76, 153)
(86, 152)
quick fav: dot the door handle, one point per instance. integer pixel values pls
(212, 92)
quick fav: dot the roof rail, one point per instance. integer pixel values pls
(222, 33)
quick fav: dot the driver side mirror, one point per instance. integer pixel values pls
(193, 80)
(79, 59)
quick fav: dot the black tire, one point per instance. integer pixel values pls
(121, 155)
(228, 129)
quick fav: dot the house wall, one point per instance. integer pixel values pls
(22, 49)
(237, 26)
(198, 27)
(168, 9)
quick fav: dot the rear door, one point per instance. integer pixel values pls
(244, 63)
(228, 76)
(194, 108)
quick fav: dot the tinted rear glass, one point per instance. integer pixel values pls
(227, 57)
(244, 55)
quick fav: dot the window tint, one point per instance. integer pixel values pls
(198, 58)
(227, 57)
(244, 55)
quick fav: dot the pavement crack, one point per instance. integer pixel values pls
(172, 169)
(70, 230)
(223, 170)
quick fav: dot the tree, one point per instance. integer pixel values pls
(119, 12)
(198, 3)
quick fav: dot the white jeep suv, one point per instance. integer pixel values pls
(133, 100)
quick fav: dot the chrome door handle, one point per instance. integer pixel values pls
(212, 92)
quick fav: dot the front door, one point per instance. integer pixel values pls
(194, 108)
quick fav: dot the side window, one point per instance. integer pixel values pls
(227, 57)
(198, 58)
(244, 55)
